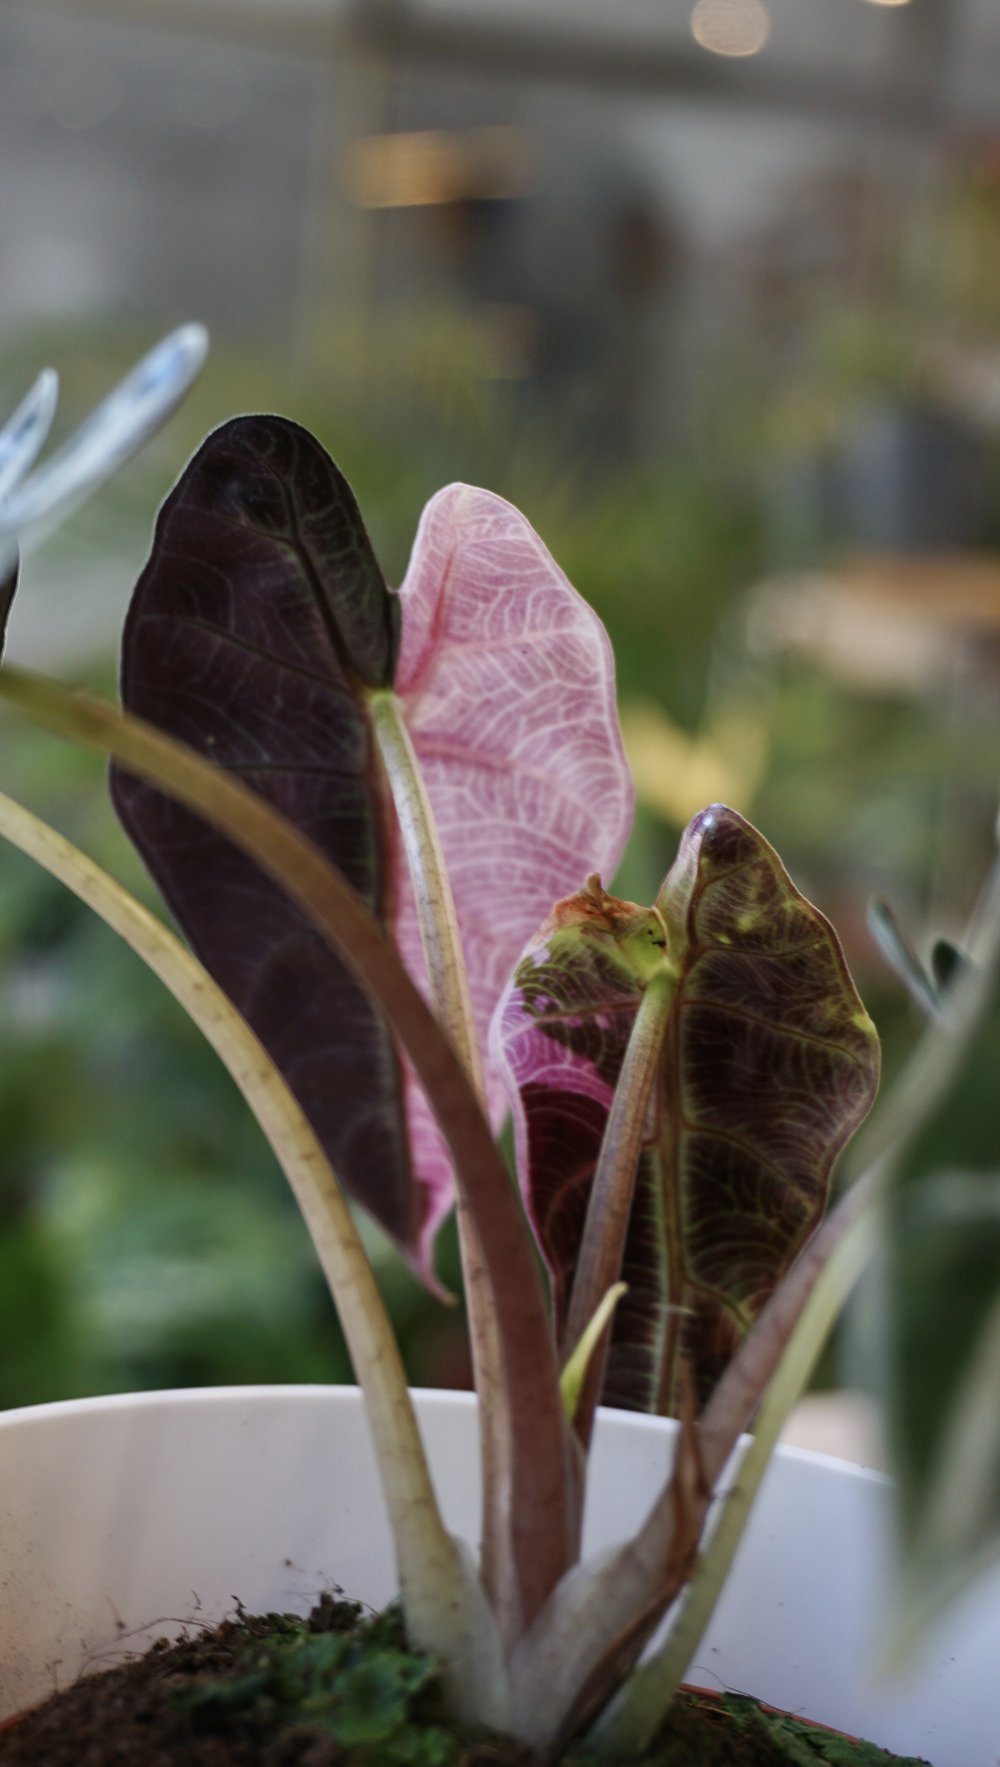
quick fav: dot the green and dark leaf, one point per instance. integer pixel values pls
(769, 1064)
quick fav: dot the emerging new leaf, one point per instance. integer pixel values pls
(769, 1063)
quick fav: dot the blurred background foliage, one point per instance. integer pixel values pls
(756, 423)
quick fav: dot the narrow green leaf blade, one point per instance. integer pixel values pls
(940, 1309)
(897, 948)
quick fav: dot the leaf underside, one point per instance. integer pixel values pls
(769, 1064)
(36, 502)
(256, 628)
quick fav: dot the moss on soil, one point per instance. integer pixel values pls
(341, 1688)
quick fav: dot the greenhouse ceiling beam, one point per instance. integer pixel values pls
(651, 67)
(394, 31)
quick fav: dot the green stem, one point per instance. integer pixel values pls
(610, 1206)
(439, 932)
(448, 982)
(437, 1596)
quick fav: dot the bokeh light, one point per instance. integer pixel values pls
(731, 27)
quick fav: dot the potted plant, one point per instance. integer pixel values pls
(361, 807)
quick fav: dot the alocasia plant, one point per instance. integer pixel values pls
(360, 806)
(262, 632)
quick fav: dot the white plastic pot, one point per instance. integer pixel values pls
(120, 1515)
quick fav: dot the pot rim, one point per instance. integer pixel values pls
(347, 1393)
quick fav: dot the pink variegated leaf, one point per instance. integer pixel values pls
(506, 678)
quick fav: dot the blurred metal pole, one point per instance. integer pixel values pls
(339, 282)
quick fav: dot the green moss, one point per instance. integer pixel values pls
(351, 1680)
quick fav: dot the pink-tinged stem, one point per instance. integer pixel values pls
(610, 1205)
(449, 990)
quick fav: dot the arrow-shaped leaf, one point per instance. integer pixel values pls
(506, 680)
(236, 643)
(769, 1063)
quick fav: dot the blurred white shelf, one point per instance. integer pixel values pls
(883, 621)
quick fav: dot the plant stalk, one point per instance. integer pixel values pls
(439, 932)
(448, 983)
(610, 1206)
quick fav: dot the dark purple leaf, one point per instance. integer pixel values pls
(255, 628)
(769, 1064)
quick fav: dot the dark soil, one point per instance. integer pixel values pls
(340, 1690)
